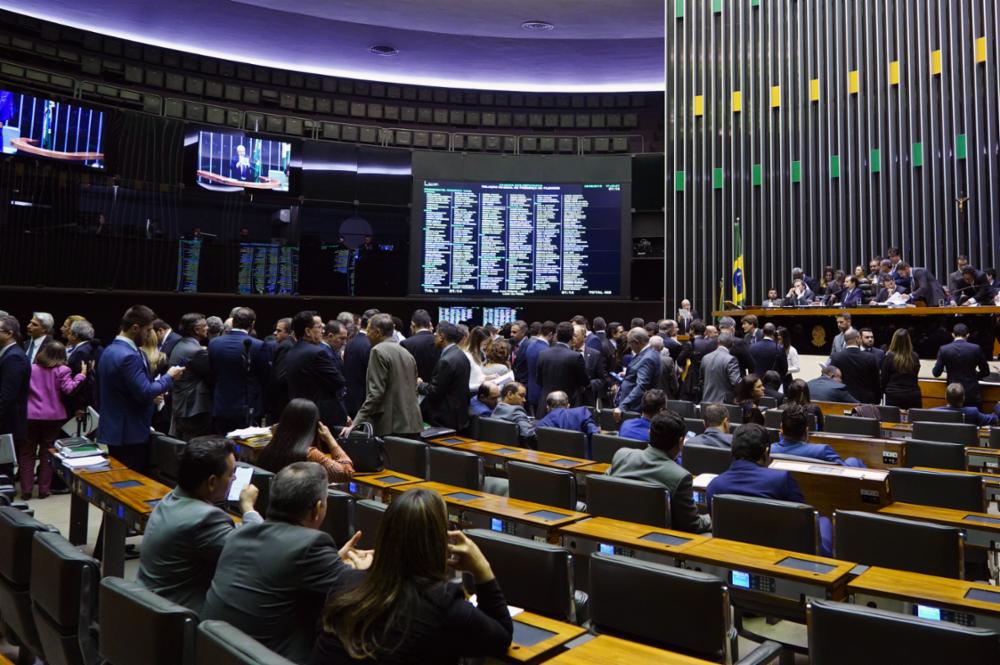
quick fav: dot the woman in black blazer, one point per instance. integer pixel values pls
(900, 369)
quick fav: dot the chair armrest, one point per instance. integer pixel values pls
(765, 653)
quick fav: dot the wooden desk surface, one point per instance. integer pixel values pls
(828, 488)
(136, 497)
(564, 632)
(607, 650)
(499, 505)
(385, 479)
(905, 585)
(112, 463)
(759, 559)
(451, 440)
(989, 479)
(906, 429)
(834, 408)
(875, 453)
(598, 468)
(629, 534)
(966, 519)
(498, 451)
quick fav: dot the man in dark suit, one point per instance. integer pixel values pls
(977, 287)
(15, 373)
(965, 363)
(851, 295)
(924, 286)
(165, 337)
(668, 331)
(82, 349)
(311, 373)
(356, 364)
(642, 374)
(241, 367)
(860, 370)
(276, 396)
(685, 316)
(446, 395)
(519, 341)
(542, 341)
(768, 355)
(192, 397)
(694, 351)
(273, 578)
(955, 397)
(751, 333)
(716, 434)
(560, 368)
(889, 288)
(607, 344)
(563, 416)
(868, 345)
(955, 280)
(421, 344)
(594, 363)
(39, 334)
(829, 387)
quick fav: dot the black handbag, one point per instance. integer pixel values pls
(367, 451)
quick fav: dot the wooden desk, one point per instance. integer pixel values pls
(78, 507)
(376, 486)
(561, 633)
(451, 440)
(983, 460)
(607, 650)
(905, 431)
(479, 510)
(875, 453)
(835, 408)
(828, 488)
(981, 529)
(249, 450)
(941, 597)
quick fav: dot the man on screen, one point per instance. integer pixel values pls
(6, 107)
(241, 164)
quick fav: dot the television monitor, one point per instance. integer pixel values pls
(232, 160)
(268, 269)
(52, 129)
(456, 314)
(499, 316)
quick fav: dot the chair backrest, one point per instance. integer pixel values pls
(628, 598)
(139, 627)
(64, 584)
(944, 490)
(934, 416)
(935, 455)
(994, 437)
(166, 454)
(700, 459)
(772, 418)
(881, 540)
(681, 407)
(499, 431)
(17, 531)
(782, 524)
(542, 484)
(606, 420)
(218, 643)
(768, 402)
(696, 425)
(339, 520)
(535, 576)
(406, 456)
(773, 434)
(561, 441)
(367, 516)
(604, 446)
(455, 467)
(889, 414)
(261, 479)
(967, 435)
(628, 500)
(852, 425)
(735, 412)
(843, 633)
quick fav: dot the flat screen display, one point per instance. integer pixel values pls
(268, 269)
(230, 161)
(51, 129)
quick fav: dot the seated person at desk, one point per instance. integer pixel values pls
(273, 577)
(955, 395)
(800, 294)
(485, 400)
(851, 295)
(300, 436)
(798, 393)
(562, 416)
(407, 610)
(829, 387)
(716, 434)
(511, 409)
(186, 532)
(773, 299)
(653, 401)
(655, 464)
(748, 475)
(889, 288)
(794, 437)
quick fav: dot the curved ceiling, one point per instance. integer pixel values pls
(595, 45)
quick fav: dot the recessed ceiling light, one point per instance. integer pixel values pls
(381, 49)
(537, 26)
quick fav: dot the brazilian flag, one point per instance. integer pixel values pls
(257, 164)
(739, 287)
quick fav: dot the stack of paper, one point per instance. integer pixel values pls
(249, 433)
(92, 463)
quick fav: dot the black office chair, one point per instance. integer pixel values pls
(681, 407)
(700, 459)
(541, 484)
(561, 442)
(994, 437)
(535, 576)
(935, 455)
(881, 540)
(842, 633)
(17, 531)
(367, 516)
(165, 452)
(339, 520)
(696, 425)
(606, 420)
(944, 490)
(604, 446)
(772, 419)
(261, 479)
(934, 416)
(782, 524)
(735, 412)
(628, 500)
(852, 425)
(64, 584)
(139, 627)
(773, 434)
(498, 431)
(455, 467)
(768, 402)
(218, 643)
(967, 435)
(889, 414)
(406, 456)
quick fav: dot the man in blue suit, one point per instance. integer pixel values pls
(127, 391)
(965, 363)
(654, 401)
(767, 354)
(535, 347)
(955, 396)
(241, 367)
(716, 434)
(15, 374)
(356, 355)
(562, 416)
(312, 370)
(642, 373)
(794, 436)
(748, 475)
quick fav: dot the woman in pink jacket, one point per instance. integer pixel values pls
(51, 378)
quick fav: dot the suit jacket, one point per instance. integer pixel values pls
(534, 349)
(714, 437)
(608, 349)
(635, 428)
(860, 372)
(956, 283)
(642, 374)
(191, 393)
(520, 362)
(820, 451)
(311, 373)
(519, 416)
(768, 355)
(973, 415)
(825, 389)
(43, 341)
(423, 347)
(592, 341)
(926, 287)
(878, 353)
(181, 546)
(271, 582)
(277, 388)
(169, 342)
(575, 419)
(672, 346)
(86, 394)
(446, 395)
(884, 294)
(965, 364)
(750, 479)
(15, 375)
(741, 351)
(981, 289)
(356, 370)
(720, 372)
(669, 381)
(391, 397)
(597, 375)
(850, 297)
(654, 466)
(126, 395)
(236, 389)
(560, 368)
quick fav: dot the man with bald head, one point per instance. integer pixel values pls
(563, 416)
(642, 374)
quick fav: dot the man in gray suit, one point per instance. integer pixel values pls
(273, 577)
(192, 397)
(720, 372)
(186, 532)
(716, 432)
(655, 464)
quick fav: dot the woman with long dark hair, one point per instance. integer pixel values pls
(299, 436)
(749, 391)
(900, 368)
(405, 610)
(797, 392)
